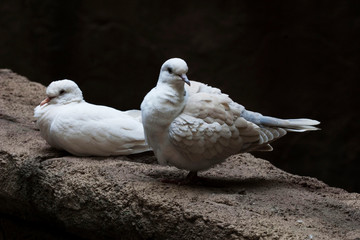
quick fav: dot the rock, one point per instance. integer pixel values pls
(124, 197)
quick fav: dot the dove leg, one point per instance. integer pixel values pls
(191, 176)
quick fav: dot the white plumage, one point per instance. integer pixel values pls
(67, 122)
(196, 126)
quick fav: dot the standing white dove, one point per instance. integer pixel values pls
(195, 127)
(67, 122)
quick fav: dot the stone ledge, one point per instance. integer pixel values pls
(109, 198)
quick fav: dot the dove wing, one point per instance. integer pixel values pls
(267, 132)
(98, 130)
(210, 126)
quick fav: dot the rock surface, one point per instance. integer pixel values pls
(109, 198)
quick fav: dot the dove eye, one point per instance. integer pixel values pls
(62, 92)
(170, 70)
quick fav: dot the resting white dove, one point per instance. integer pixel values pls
(195, 127)
(67, 122)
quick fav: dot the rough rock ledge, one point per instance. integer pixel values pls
(124, 197)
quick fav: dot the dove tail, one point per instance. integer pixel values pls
(271, 128)
(290, 125)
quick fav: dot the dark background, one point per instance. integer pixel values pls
(282, 58)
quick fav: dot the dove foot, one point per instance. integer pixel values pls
(192, 176)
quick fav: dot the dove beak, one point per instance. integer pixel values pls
(46, 100)
(185, 79)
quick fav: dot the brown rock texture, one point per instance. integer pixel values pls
(124, 197)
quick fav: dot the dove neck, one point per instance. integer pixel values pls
(174, 93)
(176, 87)
(66, 101)
(168, 104)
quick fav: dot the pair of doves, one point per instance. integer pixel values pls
(187, 124)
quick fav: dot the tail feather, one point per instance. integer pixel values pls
(302, 129)
(290, 125)
(303, 121)
(271, 128)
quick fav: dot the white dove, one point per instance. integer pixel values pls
(195, 127)
(67, 122)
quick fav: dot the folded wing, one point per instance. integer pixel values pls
(210, 127)
(100, 131)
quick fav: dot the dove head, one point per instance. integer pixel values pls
(62, 92)
(173, 72)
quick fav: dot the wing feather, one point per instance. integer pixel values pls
(210, 127)
(109, 132)
(209, 104)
